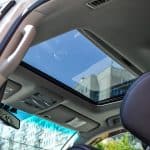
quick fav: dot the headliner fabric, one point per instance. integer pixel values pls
(135, 110)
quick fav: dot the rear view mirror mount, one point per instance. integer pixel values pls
(9, 118)
(7, 113)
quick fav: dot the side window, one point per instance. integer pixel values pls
(121, 141)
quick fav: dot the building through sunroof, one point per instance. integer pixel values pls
(101, 86)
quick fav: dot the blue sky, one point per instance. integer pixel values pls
(65, 57)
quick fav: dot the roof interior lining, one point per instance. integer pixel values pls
(60, 19)
(121, 24)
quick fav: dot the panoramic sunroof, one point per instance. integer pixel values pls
(75, 61)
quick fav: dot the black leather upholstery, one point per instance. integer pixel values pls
(135, 109)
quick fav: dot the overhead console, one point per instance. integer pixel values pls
(39, 101)
(37, 95)
(49, 106)
(71, 118)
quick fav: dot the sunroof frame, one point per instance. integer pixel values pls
(96, 42)
(71, 90)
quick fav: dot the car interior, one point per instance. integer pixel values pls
(80, 64)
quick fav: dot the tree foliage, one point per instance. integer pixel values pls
(125, 142)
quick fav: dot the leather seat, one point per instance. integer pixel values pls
(135, 109)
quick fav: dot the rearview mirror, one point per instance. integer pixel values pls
(9, 119)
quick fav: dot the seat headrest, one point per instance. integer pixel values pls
(135, 109)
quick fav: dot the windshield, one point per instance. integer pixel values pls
(36, 133)
(75, 61)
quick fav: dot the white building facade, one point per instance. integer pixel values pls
(99, 86)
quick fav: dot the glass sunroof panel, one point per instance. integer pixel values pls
(75, 61)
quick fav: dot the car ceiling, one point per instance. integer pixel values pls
(123, 26)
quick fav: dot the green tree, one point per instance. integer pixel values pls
(124, 142)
